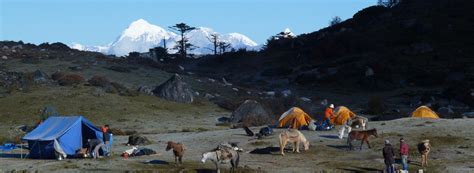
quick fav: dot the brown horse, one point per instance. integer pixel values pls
(362, 135)
(178, 151)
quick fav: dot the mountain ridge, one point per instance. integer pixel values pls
(141, 35)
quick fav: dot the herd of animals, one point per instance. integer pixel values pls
(226, 153)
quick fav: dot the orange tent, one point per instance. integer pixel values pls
(342, 114)
(295, 117)
(424, 112)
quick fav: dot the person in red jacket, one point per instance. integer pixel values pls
(404, 154)
(328, 115)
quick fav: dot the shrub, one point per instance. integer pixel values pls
(376, 105)
(335, 20)
(100, 81)
(57, 75)
(71, 79)
(121, 90)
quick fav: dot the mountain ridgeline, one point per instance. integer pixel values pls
(415, 43)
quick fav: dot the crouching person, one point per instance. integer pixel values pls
(94, 146)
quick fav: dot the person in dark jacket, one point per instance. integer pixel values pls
(106, 133)
(388, 155)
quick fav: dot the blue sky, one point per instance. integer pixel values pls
(99, 22)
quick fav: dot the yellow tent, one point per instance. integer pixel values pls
(342, 114)
(424, 112)
(295, 117)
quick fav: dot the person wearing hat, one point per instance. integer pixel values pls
(388, 155)
(404, 154)
(329, 115)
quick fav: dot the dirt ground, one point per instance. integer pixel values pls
(451, 140)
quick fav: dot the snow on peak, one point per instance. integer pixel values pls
(239, 40)
(141, 35)
(288, 32)
(141, 27)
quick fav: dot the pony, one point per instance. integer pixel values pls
(178, 151)
(295, 137)
(362, 135)
(424, 148)
(222, 156)
(359, 122)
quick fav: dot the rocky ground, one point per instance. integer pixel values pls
(123, 95)
(452, 151)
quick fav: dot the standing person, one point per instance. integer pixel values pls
(106, 133)
(94, 146)
(328, 115)
(404, 154)
(388, 155)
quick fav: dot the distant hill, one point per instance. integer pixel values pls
(416, 42)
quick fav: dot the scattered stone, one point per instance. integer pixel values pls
(208, 96)
(98, 92)
(305, 99)
(211, 80)
(175, 89)
(145, 90)
(4, 57)
(235, 89)
(286, 93)
(181, 67)
(270, 93)
(225, 82)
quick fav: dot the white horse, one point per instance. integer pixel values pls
(222, 156)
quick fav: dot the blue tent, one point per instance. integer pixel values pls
(64, 135)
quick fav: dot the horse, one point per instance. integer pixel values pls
(359, 122)
(178, 151)
(362, 135)
(295, 137)
(424, 148)
(222, 156)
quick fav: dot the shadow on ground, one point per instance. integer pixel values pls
(5, 155)
(158, 162)
(339, 147)
(329, 136)
(358, 169)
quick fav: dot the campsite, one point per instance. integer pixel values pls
(385, 86)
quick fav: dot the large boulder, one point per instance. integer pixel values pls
(175, 89)
(40, 76)
(250, 113)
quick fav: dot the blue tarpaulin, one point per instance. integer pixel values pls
(69, 132)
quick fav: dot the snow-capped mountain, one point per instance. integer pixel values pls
(140, 36)
(101, 49)
(288, 32)
(201, 35)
